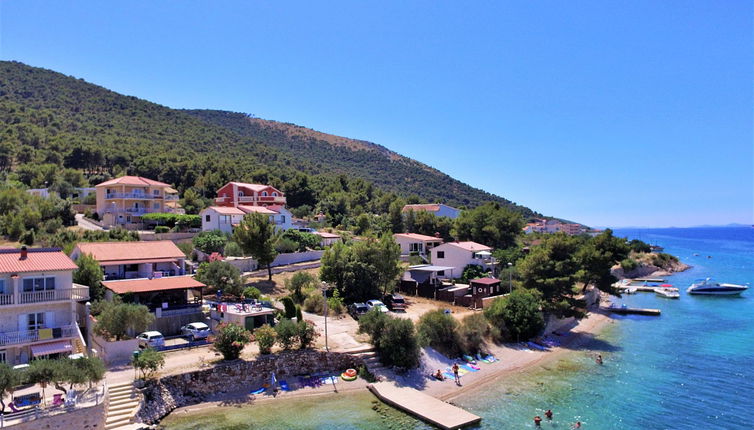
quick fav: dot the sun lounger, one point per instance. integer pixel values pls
(284, 386)
(258, 391)
(468, 368)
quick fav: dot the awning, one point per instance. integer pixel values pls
(63, 346)
(484, 253)
(429, 268)
(138, 261)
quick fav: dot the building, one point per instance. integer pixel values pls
(123, 201)
(40, 305)
(553, 226)
(416, 243)
(239, 193)
(78, 192)
(438, 209)
(458, 255)
(152, 274)
(327, 239)
(246, 315)
(224, 218)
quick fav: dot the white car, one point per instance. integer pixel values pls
(151, 339)
(195, 330)
(372, 304)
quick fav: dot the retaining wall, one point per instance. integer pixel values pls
(80, 419)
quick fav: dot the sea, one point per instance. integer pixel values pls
(690, 368)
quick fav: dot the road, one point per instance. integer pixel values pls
(86, 225)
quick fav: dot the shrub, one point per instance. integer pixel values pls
(307, 333)
(222, 276)
(472, 331)
(186, 247)
(472, 271)
(232, 249)
(663, 260)
(398, 345)
(230, 340)
(162, 229)
(117, 320)
(314, 303)
(629, 264)
(252, 293)
(210, 241)
(265, 337)
(285, 245)
(639, 246)
(440, 331)
(148, 362)
(372, 323)
(299, 283)
(335, 304)
(290, 307)
(287, 333)
(366, 375)
(519, 314)
(28, 237)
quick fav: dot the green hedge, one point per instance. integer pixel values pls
(172, 220)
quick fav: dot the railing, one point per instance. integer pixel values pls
(76, 293)
(6, 299)
(171, 196)
(31, 336)
(139, 196)
(87, 399)
(130, 211)
(181, 310)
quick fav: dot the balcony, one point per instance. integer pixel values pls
(129, 211)
(251, 199)
(133, 196)
(31, 336)
(171, 197)
(27, 297)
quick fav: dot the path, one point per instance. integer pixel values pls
(262, 273)
(86, 224)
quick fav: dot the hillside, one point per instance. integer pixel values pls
(49, 119)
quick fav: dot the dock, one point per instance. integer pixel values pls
(634, 311)
(425, 407)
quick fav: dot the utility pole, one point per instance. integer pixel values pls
(510, 277)
(324, 294)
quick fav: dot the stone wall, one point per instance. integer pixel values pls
(186, 389)
(81, 419)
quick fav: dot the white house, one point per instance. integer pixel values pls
(224, 218)
(327, 239)
(458, 255)
(438, 209)
(419, 243)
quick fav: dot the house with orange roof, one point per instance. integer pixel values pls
(438, 209)
(123, 201)
(240, 193)
(151, 273)
(225, 218)
(39, 305)
(419, 244)
(458, 255)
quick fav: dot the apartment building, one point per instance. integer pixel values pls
(123, 201)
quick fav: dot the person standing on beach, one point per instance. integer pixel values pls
(455, 373)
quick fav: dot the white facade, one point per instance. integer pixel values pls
(418, 243)
(220, 218)
(458, 255)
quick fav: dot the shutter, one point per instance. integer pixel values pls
(49, 319)
(23, 322)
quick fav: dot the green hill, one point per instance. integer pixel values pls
(50, 121)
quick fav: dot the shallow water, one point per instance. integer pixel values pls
(691, 368)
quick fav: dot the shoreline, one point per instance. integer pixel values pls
(513, 361)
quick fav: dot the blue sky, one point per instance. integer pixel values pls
(626, 113)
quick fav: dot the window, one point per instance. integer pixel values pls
(440, 254)
(240, 194)
(131, 267)
(3, 357)
(38, 284)
(224, 219)
(274, 194)
(282, 219)
(155, 205)
(264, 193)
(440, 273)
(206, 218)
(2, 286)
(415, 247)
(156, 192)
(36, 320)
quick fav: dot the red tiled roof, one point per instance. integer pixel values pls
(429, 207)
(276, 208)
(485, 281)
(133, 180)
(156, 284)
(255, 187)
(37, 260)
(421, 237)
(257, 209)
(470, 246)
(226, 210)
(119, 252)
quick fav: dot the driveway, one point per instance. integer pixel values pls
(86, 225)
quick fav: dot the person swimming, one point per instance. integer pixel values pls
(577, 425)
(599, 359)
(548, 414)
(537, 421)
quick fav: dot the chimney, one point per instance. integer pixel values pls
(24, 253)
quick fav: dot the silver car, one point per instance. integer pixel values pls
(151, 339)
(195, 330)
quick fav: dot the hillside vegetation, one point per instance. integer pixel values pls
(50, 122)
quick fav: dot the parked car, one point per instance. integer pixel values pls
(376, 304)
(151, 339)
(195, 330)
(357, 309)
(395, 302)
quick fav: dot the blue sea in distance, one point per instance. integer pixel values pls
(691, 368)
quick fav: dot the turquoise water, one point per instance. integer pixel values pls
(691, 368)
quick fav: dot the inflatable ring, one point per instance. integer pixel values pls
(349, 375)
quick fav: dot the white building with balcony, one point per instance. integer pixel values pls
(225, 218)
(240, 193)
(40, 306)
(458, 255)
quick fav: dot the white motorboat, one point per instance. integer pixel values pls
(712, 288)
(668, 293)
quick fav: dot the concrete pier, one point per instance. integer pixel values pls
(423, 406)
(634, 311)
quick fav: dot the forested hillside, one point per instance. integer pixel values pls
(52, 124)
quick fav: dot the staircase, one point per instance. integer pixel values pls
(123, 404)
(371, 360)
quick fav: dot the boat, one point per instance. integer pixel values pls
(712, 288)
(668, 293)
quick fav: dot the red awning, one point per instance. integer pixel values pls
(63, 346)
(137, 261)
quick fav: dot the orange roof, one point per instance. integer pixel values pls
(122, 252)
(254, 187)
(485, 281)
(156, 284)
(326, 235)
(226, 210)
(421, 237)
(428, 207)
(133, 180)
(37, 260)
(257, 209)
(470, 246)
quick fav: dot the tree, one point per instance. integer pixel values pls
(473, 271)
(256, 237)
(42, 372)
(89, 273)
(210, 241)
(518, 314)
(597, 257)
(373, 324)
(472, 332)
(551, 268)
(398, 345)
(9, 380)
(92, 368)
(148, 362)
(489, 224)
(192, 202)
(221, 275)
(290, 307)
(395, 214)
(298, 283)
(118, 320)
(335, 263)
(230, 340)
(265, 337)
(307, 333)
(387, 262)
(287, 333)
(440, 331)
